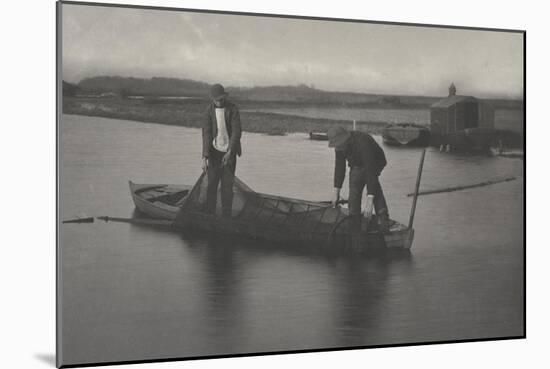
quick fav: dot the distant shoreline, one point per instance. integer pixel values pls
(190, 113)
(298, 94)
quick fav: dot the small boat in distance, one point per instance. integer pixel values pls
(406, 134)
(318, 136)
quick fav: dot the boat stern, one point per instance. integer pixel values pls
(402, 239)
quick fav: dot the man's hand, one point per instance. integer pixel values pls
(335, 197)
(204, 165)
(368, 206)
(226, 158)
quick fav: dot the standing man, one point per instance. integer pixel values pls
(221, 144)
(366, 160)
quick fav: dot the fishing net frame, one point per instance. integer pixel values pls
(265, 216)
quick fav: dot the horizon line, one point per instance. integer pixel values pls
(492, 96)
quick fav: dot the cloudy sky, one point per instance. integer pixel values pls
(257, 51)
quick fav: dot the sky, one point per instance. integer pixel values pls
(246, 51)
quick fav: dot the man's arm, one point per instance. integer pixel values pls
(206, 135)
(339, 169)
(236, 130)
(339, 175)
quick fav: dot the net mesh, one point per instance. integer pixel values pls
(267, 211)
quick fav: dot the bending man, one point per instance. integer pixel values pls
(366, 160)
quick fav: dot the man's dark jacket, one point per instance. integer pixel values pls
(364, 152)
(210, 128)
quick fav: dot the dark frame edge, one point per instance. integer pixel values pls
(58, 111)
(525, 183)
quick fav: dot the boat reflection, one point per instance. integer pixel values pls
(246, 286)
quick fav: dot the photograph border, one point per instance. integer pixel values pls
(59, 111)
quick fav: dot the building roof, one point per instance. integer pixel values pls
(452, 100)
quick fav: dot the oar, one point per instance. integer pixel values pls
(464, 187)
(80, 220)
(143, 221)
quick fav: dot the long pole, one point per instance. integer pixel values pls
(464, 187)
(418, 177)
(151, 222)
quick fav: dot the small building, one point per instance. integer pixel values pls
(456, 113)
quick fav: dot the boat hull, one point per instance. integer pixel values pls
(406, 134)
(162, 202)
(366, 241)
(318, 136)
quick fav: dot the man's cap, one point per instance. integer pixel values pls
(337, 136)
(217, 91)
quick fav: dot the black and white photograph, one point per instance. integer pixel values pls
(232, 184)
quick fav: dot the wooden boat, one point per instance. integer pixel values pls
(318, 136)
(163, 201)
(159, 201)
(406, 134)
(269, 217)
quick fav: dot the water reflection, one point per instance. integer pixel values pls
(140, 292)
(356, 302)
(362, 289)
(220, 288)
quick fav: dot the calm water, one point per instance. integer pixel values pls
(419, 116)
(133, 292)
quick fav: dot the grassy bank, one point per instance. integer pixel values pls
(190, 113)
